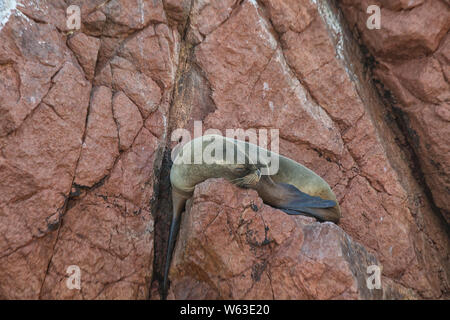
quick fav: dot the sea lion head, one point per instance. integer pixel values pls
(245, 175)
(214, 156)
(242, 168)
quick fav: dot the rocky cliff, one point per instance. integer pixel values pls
(86, 117)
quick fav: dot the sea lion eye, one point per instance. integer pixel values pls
(241, 170)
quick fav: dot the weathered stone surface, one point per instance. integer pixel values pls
(333, 126)
(137, 70)
(265, 80)
(86, 50)
(60, 157)
(100, 146)
(111, 241)
(142, 90)
(124, 16)
(262, 252)
(48, 11)
(128, 119)
(154, 53)
(208, 15)
(410, 64)
(39, 159)
(401, 4)
(156, 123)
(177, 10)
(30, 54)
(407, 33)
(131, 178)
(94, 23)
(23, 271)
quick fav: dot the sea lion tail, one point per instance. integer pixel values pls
(304, 204)
(171, 242)
(178, 205)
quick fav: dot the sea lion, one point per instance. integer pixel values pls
(292, 188)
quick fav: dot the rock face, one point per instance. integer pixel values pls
(264, 253)
(77, 163)
(411, 57)
(86, 118)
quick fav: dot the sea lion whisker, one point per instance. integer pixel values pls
(236, 180)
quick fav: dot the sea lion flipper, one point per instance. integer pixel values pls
(328, 214)
(174, 226)
(295, 213)
(311, 202)
(303, 204)
(300, 199)
(178, 202)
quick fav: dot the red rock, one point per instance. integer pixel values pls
(208, 15)
(86, 50)
(235, 252)
(311, 54)
(42, 154)
(26, 275)
(401, 4)
(157, 123)
(405, 34)
(94, 23)
(125, 15)
(412, 66)
(129, 120)
(130, 177)
(111, 242)
(68, 94)
(139, 88)
(424, 79)
(104, 77)
(365, 109)
(443, 55)
(100, 145)
(44, 100)
(177, 10)
(51, 12)
(26, 67)
(291, 15)
(107, 51)
(263, 78)
(9, 90)
(54, 11)
(152, 52)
